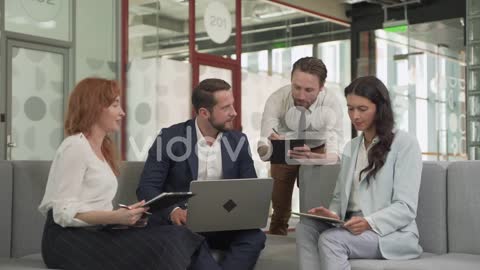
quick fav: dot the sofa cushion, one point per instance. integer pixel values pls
(30, 262)
(5, 208)
(279, 253)
(29, 186)
(317, 183)
(127, 182)
(463, 207)
(274, 257)
(432, 208)
(390, 264)
(30, 180)
(455, 261)
(437, 262)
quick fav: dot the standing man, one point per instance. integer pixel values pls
(302, 110)
(202, 148)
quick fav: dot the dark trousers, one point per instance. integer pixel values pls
(284, 177)
(242, 249)
(162, 247)
(284, 180)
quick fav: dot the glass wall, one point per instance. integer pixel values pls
(50, 19)
(35, 82)
(473, 88)
(62, 42)
(273, 38)
(159, 74)
(424, 69)
(215, 27)
(3, 93)
(96, 41)
(336, 56)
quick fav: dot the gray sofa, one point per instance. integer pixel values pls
(448, 215)
(22, 184)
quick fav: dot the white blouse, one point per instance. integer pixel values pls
(78, 182)
(361, 163)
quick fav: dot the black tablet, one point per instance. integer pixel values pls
(167, 199)
(280, 150)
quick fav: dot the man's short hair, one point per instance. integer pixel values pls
(312, 66)
(202, 96)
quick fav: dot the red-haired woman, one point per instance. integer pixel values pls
(78, 198)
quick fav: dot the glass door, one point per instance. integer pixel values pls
(215, 45)
(37, 87)
(211, 68)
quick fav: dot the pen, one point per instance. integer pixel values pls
(276, 132)
(129, 208)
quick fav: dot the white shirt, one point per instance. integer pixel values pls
(361, 163)
(78, 182)
(323, 118)
(209, 156)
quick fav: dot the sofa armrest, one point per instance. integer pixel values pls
(316, 183)
(6, 182)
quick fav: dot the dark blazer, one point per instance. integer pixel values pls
(172, 161)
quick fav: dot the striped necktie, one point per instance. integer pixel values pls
(302, 125)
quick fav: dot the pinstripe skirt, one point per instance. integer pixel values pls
(153, 247)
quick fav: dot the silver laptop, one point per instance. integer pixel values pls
(229, 204)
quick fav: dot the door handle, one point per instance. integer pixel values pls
(11, 144)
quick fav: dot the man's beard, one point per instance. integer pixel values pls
(301, 104)
(222, 127)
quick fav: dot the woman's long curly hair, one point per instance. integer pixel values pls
(85, 104)
(374, 90)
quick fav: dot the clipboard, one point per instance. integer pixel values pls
(322, 218)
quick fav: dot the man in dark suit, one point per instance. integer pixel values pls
(205, 147)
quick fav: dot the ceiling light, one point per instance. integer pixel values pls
(183, 2)
(399, 26)
(275, 14)
(351, 2)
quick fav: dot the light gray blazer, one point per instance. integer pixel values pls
(390, 199)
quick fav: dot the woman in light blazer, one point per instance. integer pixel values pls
(376, 191)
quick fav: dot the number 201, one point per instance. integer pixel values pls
(218, 22)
